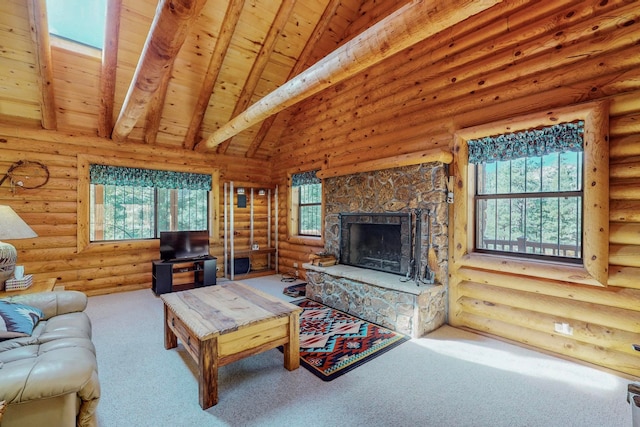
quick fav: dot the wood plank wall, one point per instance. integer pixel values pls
(52, 211)
(517, 58)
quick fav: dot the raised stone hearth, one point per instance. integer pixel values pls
(378, 297)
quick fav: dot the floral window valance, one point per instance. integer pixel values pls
(535, 142)
(137, 177)
(304, 178)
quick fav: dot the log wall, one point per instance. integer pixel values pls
(517, 58)
(52, 211)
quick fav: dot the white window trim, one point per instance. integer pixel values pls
(595, 233)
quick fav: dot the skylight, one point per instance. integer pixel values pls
(82, 21)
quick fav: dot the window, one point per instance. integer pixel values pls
(82, 21)
(133, 203)
(529, 203)
(522, 196)
(306, 204)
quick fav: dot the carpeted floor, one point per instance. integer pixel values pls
(448, 378)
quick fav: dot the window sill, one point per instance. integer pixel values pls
(569, 273)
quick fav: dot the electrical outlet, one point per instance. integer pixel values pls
(563, 328)
(295, 265)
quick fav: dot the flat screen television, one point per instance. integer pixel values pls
(176, 245)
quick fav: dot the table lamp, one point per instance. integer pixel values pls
(11, 227)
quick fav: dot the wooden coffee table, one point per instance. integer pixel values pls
(221, 324)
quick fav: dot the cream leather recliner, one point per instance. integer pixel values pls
(51, 377)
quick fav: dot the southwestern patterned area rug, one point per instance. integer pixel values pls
(333, 342)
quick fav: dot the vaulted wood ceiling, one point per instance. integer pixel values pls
(177, 72)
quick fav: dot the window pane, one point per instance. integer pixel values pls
(310, 209)
(570, 171)
(123, 213)
(126, 212)
(549, 172)
(310, 220)
(549, 226)
(311, 193)
(503, 178)
(533, 175)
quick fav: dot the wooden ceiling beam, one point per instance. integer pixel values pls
(168, 32)
(321, 27)
(109, 66)
(40, 36)
(156, 105)
(409, 25)
(231, 18)
(262, 59)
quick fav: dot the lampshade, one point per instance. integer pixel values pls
(11, 227)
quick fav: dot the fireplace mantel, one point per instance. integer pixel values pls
(379, 297)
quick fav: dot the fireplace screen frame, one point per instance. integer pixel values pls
(402, 219)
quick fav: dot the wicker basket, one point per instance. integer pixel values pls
(14, 284)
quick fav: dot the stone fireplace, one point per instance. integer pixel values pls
(376, 209)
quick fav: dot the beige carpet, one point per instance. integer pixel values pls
(449, 378)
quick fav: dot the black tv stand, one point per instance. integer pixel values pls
(181, 274)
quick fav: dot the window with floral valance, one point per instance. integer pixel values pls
(306, 204)
(139, 203)
(532, 189)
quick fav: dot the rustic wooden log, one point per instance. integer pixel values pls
(40, 36)
(624, 277)
(557, 344)
(626, 168)
(628, 124)
(435, 155)
(412, 23)
(582, 331)
(620, 298)
(624, 233)
(229, 23)
(613, 317)
(625, 189)
(453, 98)
(625, 255)
(539, 101)
(507, 26)
(109, 66)
(166, 36)
(470, 69)
(155, 109)
(624, 210)
(563, 273)
(625, 103)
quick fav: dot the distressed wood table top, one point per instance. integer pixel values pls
(216, 310)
